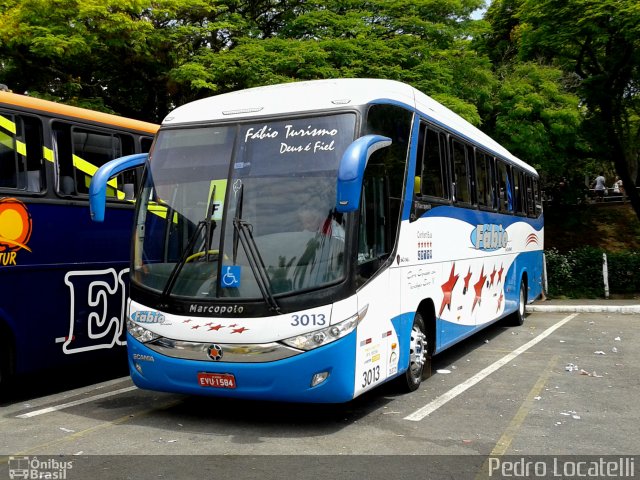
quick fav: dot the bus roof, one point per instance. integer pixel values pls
(38, 105)
(323, 95)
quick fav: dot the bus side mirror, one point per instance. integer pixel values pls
(351, 170)
(98, 187)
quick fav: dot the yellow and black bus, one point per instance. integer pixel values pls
(63, 280)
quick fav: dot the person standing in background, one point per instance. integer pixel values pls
(618, 189)
(600, 187)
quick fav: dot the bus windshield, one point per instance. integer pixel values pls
(243, 210)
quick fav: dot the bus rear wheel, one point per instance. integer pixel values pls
(517, 318)
(419, 361)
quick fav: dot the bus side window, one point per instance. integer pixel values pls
(531, 201)
(81, 151)
(9, 167)
(65, 183)
(492, 179)
(32, 132)
(372, 239)
(519, 192)
(91, 150)
(538, 199)
(145, 144)
(461, 174)
(471, 174)
(485, 176)
(431, 183)
(21, 166)
(505, 198)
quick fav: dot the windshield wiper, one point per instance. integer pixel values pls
(210, 226)
(244, 232)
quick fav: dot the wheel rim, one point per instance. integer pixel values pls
(521, 306)
(417, 351)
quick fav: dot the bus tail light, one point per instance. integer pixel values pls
(318, 338)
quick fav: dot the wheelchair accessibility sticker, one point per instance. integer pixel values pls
(230, 276)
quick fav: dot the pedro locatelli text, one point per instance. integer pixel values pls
(610, 467)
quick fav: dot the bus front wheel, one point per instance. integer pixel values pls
(419, 359)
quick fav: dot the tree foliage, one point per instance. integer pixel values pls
(536, 119)
(597, 44)
(513, 74)
(142, 57)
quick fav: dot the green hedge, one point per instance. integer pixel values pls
(578, 273)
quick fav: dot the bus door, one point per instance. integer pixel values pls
(378, 348)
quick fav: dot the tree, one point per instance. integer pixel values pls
(141, 58)
(535, 119)
(599, 42)
(424, 43)
(115, 55)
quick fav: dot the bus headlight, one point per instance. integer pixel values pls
(140, 333)
(318, 338)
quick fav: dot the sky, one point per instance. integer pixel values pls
(478, 14)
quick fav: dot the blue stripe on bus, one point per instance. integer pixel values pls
(472, 216)
(283, 380)
(449, 333)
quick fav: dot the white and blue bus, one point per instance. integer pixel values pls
(310, 241)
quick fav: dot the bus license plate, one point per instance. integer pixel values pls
(216, 380)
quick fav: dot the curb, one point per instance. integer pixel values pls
(624, 309)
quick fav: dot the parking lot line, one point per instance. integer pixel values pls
(96, 428)
(484, 373)
(504, 443)
(62, 406)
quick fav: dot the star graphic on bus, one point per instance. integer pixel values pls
(239, 330)
(447, 289)
(500, 273)
(215, 327)
(478, 289)
(466, 282)
(493, 275)
(500, 302)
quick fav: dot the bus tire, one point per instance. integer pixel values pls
(419, 360)
(517, 318)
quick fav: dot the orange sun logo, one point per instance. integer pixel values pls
(15, 225)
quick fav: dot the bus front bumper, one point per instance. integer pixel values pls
(288, 379)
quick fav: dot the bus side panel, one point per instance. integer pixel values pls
(65, 293)
(469, 263)
(283, 380)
